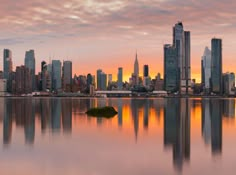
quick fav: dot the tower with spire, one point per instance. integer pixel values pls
(136, 68)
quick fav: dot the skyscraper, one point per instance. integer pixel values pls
(145, 71)
(103, 81)
(216, 65)
(30, 63)
(136, 69)
(67, 75)
(89, 80)
(206, 69)
(7, 63)
(56, 75)
(120, 78)
(99, 71)
(146, 78)
(228, 83)
(181, 41)
(171, 69)
(109, 78)
(23, 80)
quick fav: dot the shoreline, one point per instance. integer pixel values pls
(136, 97)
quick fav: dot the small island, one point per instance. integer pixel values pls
(106, 112)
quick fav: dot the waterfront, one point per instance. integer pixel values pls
(147, 136)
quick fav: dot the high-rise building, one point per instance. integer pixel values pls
(56, 75)
(23, 80)
(136, 69)
(99, 71)
(171, 70)
(206, 69)
(181, 41)
(120, 78)
(67, 75)
(7, 63)
(109, 78)
(216, 65)
(145, 71)
(89, 80)
(43, 63)
(30, 63)
(49, 77)
(229, 83)
(103, 81)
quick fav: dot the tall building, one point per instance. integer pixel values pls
(67, 75)
(30, 63)
(7, 63)
(109, 78)
(99, 72)
(181, 41)
(136, 69)
(103, 81)
(56, 75)
(23, 80)
(216, 65)
(89, 80)
(145, 71)
(229, 83)
(171, 70)
(206, 69)
(120, 78)
(146, 78)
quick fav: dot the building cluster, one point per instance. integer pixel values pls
(56, 76)
(53, 77)
(177, 70)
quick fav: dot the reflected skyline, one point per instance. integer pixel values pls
(136, 117)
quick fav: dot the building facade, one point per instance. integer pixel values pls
(206, 70)
(216, 66)
(229, 83)
(7, 63)
(181, 41)
(67, 75)
(171, 69)
(56, 75)
(30, 63)
(120, 78)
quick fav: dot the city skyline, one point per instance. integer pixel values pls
(103, 31)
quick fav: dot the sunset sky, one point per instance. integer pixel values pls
(106, 33)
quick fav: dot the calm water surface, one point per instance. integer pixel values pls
(47, 136)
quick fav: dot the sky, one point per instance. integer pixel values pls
(105, 34)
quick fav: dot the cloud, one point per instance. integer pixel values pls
(102, 16)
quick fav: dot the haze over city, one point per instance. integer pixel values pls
(105, 34)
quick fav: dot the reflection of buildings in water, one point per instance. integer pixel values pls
(158, 106)
(177, 130)
(135, 104)
(229, 108)
(45, 111)
(56, 114)
(146, 113)
(101, 102)
(99, 121)
(7, 122)
(2, 109)
(120, 111)
(66, 115)
(23, 111)
(216, 125)
(29, 125)
(206, 121)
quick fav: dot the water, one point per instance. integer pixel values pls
(43, 136)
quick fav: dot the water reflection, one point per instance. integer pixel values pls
(57, 115)
(177, 130)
